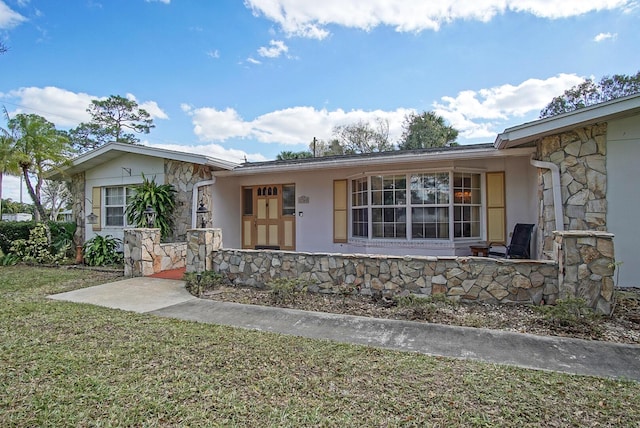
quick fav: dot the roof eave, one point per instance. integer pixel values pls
(78, 164)
(522, 134)
(399, 159)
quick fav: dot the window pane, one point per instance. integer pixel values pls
(430, 223)
(247, 201)
(360, 222)
(114, 196)
(428, 189)
(288, 199)
(114, 216)
(467, 198)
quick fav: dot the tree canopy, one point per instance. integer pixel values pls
(114, 119)
(362, 137)
(321, 148)
(36, 147)
(288, 155)
(590, 92)
(426, 130)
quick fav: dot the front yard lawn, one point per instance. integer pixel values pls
(66, 364)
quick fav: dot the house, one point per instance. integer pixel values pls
(571, 171)
(17, 217)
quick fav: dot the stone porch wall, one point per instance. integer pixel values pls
(586, 267)
(581, 157)
(144, 255)
(459, 278)
(583, 267)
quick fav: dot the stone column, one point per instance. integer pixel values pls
(586, 266)
(139, 252)
(201, 244)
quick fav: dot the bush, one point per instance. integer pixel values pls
(208, 281)
(13, 230)
(36, 249)
(569, 315)
(62, 237)
(284, 290)
(102, 251)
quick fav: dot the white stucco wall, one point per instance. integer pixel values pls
(314, 221)
(113, 173)
(623, 155)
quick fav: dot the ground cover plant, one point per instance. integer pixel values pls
(68, 364)
(571, 318)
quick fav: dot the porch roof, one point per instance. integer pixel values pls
(114, 150)
(531, 131)
(437, 154)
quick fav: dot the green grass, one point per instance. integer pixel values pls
(66, 364)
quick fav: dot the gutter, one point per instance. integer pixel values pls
(556, 189)
(194, 200)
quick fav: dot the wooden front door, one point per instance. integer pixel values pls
(268, 219)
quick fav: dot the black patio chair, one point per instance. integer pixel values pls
(518, 248)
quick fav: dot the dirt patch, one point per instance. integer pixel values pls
(622, 327)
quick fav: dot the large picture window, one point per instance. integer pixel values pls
(418, 206)
(116, 200)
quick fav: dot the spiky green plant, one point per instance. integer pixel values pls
(160, 197)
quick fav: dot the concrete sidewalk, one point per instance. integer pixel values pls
(168, 298)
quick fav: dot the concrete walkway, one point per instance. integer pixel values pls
(168, 298)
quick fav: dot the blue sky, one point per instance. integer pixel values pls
(252, 78)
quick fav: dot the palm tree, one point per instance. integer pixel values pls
(37, 147)
(7, 165)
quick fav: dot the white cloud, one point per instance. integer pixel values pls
(483, 113)
(9, 18)
(308, 19)
(62, 107)
(150, 106)
(475, 113)
(212, 150)
(295, 125)
(275, 49)
(65, 108)
(253, 61)
(159, 1)
(605, 36)
(214, 54)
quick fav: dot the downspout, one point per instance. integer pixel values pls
(194, 199)
(556, 189)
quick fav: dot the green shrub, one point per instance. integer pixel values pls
(285, 290)
(208, 281)
(62, 237)
(101, 251)
(9, 259)
(160, 197)
(36, 249)
(13, 230)
(417, 301)
(570, 315)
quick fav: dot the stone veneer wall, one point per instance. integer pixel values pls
(459, 278)
(583, 267)
(144, 254)
(581, 156)
(184, 176)
(586, 267)
(201, 244)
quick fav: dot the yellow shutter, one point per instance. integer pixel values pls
(95, 207)
(496, 211)
(340, 224)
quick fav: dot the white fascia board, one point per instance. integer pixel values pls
(367, 162)
(113, 150)
(603, 112)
